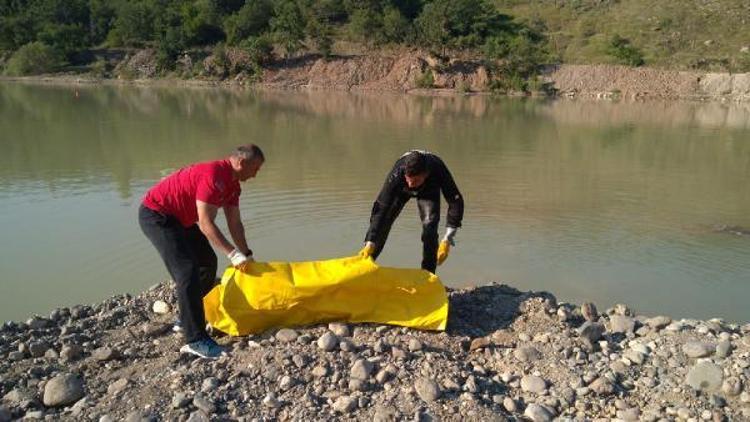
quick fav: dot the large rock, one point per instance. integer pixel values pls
(427, 389)
(705, 376)
(589, 312)
(361, 369)
(345, 404)
(63, 390)
(538, 413)
(621, 324)
(533, 384)
(328, 341)
(658, 322)
(591, 332)
(698, 349)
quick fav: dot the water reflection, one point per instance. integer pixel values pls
(591, 200)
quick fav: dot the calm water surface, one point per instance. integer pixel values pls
(593, 201)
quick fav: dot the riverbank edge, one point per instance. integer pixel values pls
(404, 72)
(506, 355)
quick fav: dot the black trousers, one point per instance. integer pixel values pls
(429, 213)
(190, 261)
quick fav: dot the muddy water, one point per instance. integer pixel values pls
(635, 203)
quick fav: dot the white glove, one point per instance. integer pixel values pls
(237, 258)
(450, 233)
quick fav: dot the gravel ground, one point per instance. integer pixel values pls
(507, 355)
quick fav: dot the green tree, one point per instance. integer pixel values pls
(101, 19)
(201, 22)
(395, 25)
(366, 25)
(251, 20)
(288, 25)
(134, 25)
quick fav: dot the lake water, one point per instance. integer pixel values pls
(593, 201)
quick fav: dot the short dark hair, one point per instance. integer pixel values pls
(415, 164)
(249, 152)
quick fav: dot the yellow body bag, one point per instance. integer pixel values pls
(282, 294)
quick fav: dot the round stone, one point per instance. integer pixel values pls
(533, 384)
(63, 390)
(705, 376)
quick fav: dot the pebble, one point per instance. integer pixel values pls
(287, 335)
(533, 384)
(415, 345)
(510, 405)
(198, 416)
(527, 354)
(345, 404)
(602, 386)
(204, 404)
(427, 389)
(271, 401)
(160, 307)
(723, 348)
(658, 322)
(340, 329)
(732, 386)
(118, 386)
(328, 341)
(180, 400)
(104, 354)
(361, 369)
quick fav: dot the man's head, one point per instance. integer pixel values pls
(246, 161)
(415, 170)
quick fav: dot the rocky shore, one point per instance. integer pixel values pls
(507, 355)
(402, 71)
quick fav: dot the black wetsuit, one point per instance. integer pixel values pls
(395, 194)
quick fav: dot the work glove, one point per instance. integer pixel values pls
(367, 251)
(442, 252)
(238, 258)
(445, 244)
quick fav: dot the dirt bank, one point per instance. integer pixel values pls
(507, 355)
(405, 72)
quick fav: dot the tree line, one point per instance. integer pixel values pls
(60, 30)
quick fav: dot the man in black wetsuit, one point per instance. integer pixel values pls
(421, 175)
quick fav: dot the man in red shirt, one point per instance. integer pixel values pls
(177, 215)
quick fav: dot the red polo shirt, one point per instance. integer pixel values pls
(212, 182)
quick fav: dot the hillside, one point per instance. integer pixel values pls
(677, 34)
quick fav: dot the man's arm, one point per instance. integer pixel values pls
(383, 202)
(206, 217)
(237, 229)
(453, 196)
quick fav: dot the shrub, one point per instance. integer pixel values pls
(260, 49)
(621, 49)
(425, 80)
(99, 68)
(33, 59)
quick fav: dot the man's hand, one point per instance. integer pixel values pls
(367, 251)
(442, 252)
(238, 258)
